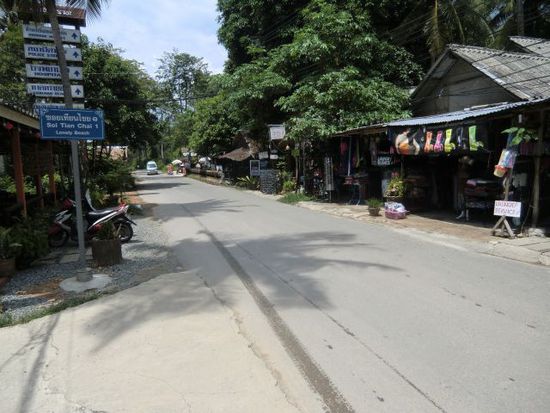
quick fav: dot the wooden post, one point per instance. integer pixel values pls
(536, 178)
(19, 177)
(38, 177)
(51, 173)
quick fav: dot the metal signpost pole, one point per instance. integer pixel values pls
(52, 12)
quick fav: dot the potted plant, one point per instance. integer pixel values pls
(374, 205)
(8, 252)
(395, 190)
(106, 247)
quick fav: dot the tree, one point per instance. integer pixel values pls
(440, 22)
(321, 73)
(214, 126)
(182, 78)
(124, 91)
(523, 18)
(249, 27)
(12, 67)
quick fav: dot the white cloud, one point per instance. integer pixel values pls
(147, 29)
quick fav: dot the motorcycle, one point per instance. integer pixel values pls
(63, 226)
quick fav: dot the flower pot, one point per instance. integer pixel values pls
(7, 267)
(106, 252)
(374, 212)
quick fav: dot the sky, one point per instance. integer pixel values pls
(146, 29)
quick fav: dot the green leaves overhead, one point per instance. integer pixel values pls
(320, 67)
(124, 91)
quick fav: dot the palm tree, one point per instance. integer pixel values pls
(519, 17)
(441, 22)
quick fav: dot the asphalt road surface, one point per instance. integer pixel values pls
(374, 320)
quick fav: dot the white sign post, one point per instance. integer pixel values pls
(51, 72)
(43, 32)
(49, 90)
(40, 52)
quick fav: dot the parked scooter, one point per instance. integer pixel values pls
(63, 227)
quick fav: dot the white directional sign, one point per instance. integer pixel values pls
(43, 32)
(52, 72)
(40, 106)
(39, 52)
(53, 91)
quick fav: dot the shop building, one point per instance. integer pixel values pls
(446, 154)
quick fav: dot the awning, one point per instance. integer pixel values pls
(237, 155)
(443, 118)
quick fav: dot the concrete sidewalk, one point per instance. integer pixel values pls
(167, 345)
(533, 250)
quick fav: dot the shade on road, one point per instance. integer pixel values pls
(385, 321)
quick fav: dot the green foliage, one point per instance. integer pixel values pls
(396, 187)
(32, 234)
(12, 67)
(111, 176)
(374, 203)
(124, 91)
(293, 198)
(7, 184)
(520, 135)
(8, 247)
(248, 182)
(107, 231)
(320, 70)
(289, 186)
(214, 126)
(182, 78)
(7, 320)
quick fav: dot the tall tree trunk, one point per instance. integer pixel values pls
(520, 18)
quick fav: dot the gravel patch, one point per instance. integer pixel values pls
(145, 257)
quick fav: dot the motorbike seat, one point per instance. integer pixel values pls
(100, 212)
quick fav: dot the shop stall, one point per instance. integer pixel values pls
(458, 162)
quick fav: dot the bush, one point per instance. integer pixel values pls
(248, 182)
(293, 198)
(32, 235)
(396, 187)
(112, 176)
(289, 186)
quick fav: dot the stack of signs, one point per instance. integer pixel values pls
(43, 74)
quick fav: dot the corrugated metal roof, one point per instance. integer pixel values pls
(460, 115)
(533, 45)
(526, 75)
(446, 118)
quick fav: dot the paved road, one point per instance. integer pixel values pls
(374, 320)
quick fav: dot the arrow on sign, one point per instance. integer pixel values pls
(78, 92)
(77, 73)
(74, 36)
(75, 55)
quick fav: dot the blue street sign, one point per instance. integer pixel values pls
(72, 124)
